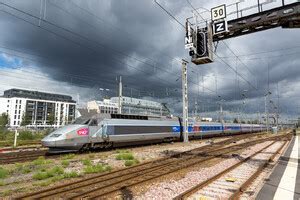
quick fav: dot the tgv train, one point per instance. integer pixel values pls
(112, 130)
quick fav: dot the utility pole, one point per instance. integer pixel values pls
(267, 110)
(185, 101)
(120, 95)
(15, 139)
(221, 112)
(266, 113)
(277, 114)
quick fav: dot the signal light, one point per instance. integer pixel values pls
(201, 44)
(192, 52)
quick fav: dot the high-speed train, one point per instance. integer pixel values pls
(112, 130)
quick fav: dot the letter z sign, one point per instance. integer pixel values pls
(220, 27)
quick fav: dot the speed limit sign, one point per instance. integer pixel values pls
(218, 12)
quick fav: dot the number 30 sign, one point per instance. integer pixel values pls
(218, 12)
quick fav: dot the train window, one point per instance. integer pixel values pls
(86, 122)
(93, 123)
(55, 135)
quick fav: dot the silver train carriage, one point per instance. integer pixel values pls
(112, 130)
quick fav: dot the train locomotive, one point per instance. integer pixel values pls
(115, 130)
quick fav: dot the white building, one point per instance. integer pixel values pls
(105, 106)
(37, 109)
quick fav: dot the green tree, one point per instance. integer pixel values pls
(51, 119)
(26, 120)
(3, 120)
(235, 121)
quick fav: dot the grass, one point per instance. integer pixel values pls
(68, 156)
(45, 174)
(86, 162)
(129, 163)
(125, 156)
(72, 174)
(91, 156)
(6, 192)
(3, 172)
(24, 168)
(25, 137)
(122, 151)
(50, 180)
(65, 163)
(97, 168)
(2, 183)
(41, 161)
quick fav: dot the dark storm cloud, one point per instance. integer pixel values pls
(100, 40)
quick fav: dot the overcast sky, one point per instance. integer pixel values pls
(76, 47)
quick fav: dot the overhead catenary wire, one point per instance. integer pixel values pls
(153, 65)
(130, 35)
(261, 52)
(211, 51)
(81, 67)
(227, 47)
(69, 31)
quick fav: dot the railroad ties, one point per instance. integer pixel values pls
(110, 183)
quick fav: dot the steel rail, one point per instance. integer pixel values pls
(203, 148)
(97, 192)
(131, 173)
(203, 184)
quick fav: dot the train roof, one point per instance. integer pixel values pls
(101, 116)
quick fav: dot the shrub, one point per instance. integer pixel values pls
(26, 135)
(125, 156)
(3, 172)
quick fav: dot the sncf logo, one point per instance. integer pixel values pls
(83, 131)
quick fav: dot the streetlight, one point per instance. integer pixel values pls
(103, 90)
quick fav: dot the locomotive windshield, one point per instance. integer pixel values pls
(82, 121)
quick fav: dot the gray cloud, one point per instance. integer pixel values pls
(100, 40)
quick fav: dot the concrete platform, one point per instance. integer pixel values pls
(284, 181)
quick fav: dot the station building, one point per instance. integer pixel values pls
(37, 109)
(129, 106)
(105, 106)
(141, 106)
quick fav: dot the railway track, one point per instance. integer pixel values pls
(21, 156)
(105, 184)
(30, 155)
(224, 185)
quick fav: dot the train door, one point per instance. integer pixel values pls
(93, 128)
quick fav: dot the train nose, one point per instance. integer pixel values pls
(47, 143)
